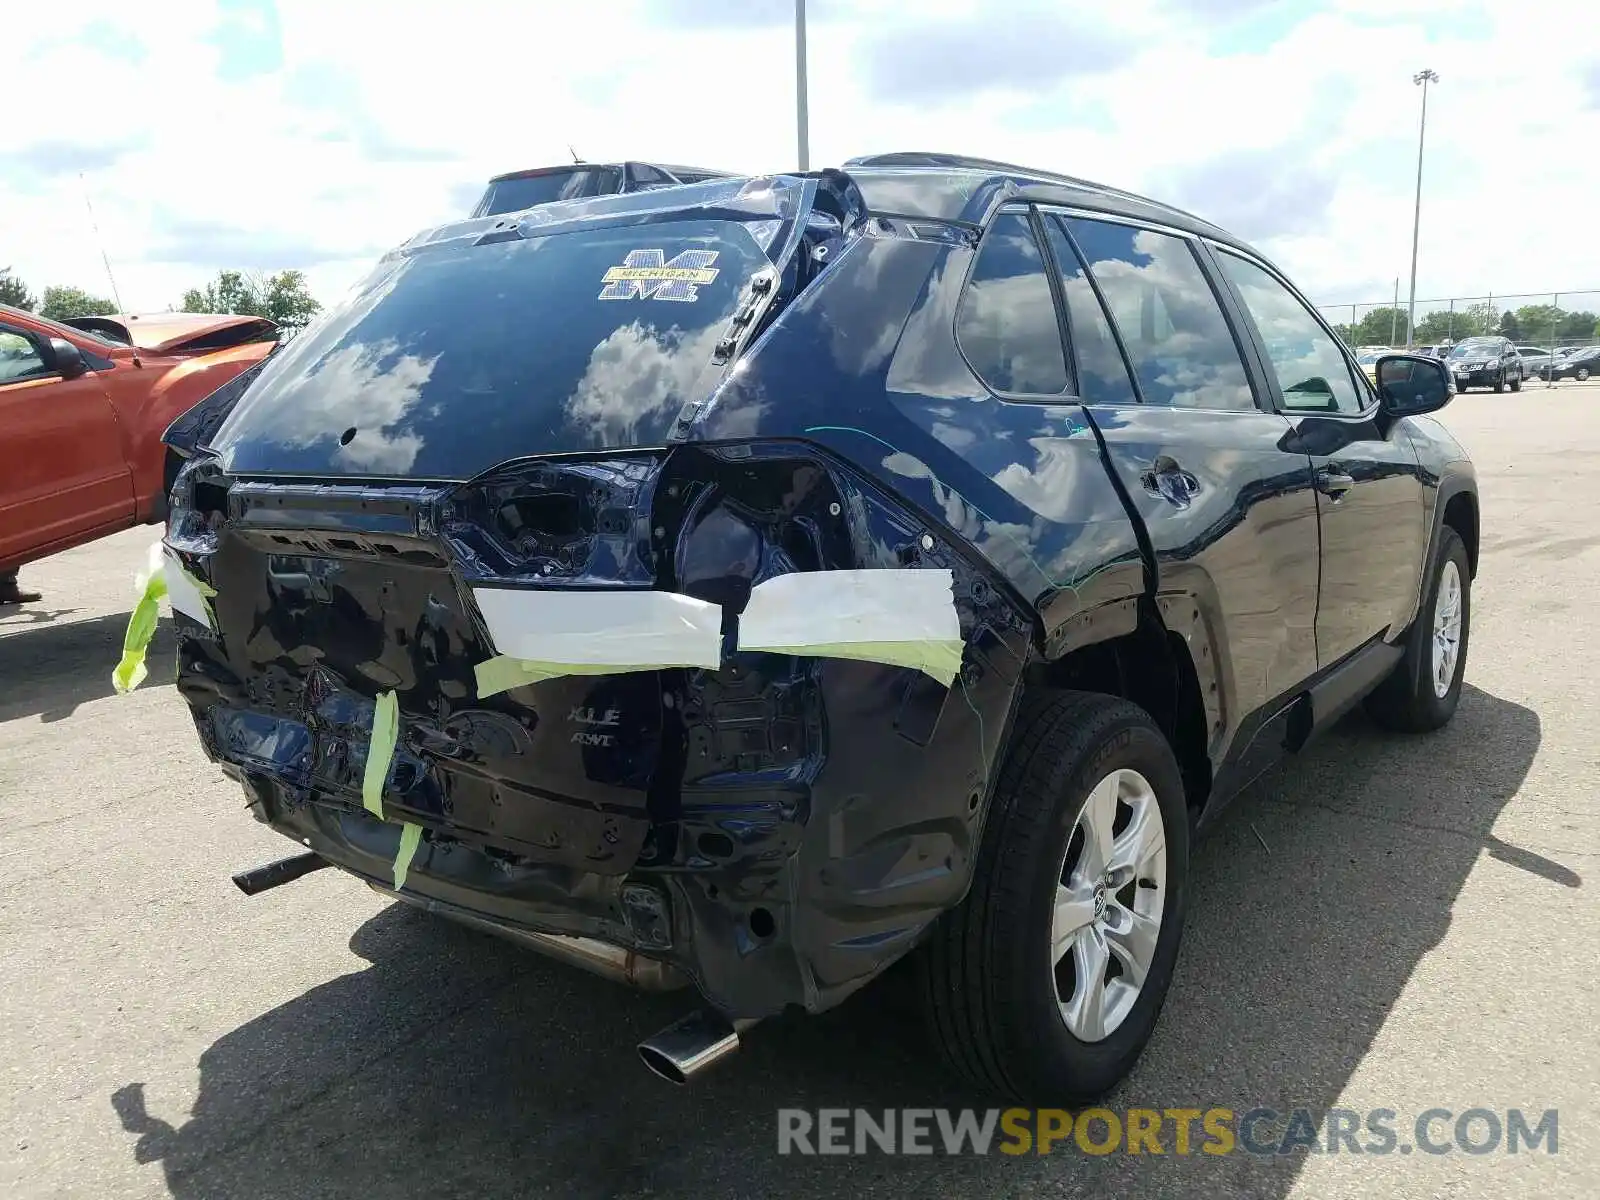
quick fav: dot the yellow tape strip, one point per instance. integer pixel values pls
(410, 838)
(130, 670)
(380, 752)
(939, 660)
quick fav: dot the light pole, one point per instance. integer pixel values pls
(800, 83)
(1424, 77)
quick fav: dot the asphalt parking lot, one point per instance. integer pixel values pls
(1387, 922)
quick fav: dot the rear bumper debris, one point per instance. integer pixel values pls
(774, 813)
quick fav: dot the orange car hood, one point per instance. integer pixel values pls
(166, 333)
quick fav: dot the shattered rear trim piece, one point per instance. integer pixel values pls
(903, 618)
(547, 634)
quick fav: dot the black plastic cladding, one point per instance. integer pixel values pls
(803, 820)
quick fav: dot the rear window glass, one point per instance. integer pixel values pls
(1168, 316)
(1007, 322)
(525, 191)
(457, 357)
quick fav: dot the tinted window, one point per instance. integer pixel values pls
(646, 175)
(1312, 371)
(453, 358)
(19, 358)
(525, 191)
(1007, 322)
(1102, 374)
(1181, 348)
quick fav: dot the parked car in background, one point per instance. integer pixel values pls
(1485, 362)
(1368, 362)
(664, 630)
(517, 190)
(82, 417)
(1581, 365)
(1534, 359)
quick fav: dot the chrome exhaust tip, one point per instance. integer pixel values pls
(688, 1047)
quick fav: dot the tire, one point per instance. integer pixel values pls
(990, 975)
(1500, 383)
(1516, 383)
(1409, 699)
(1581, 374)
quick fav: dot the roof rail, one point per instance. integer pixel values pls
(960, 162)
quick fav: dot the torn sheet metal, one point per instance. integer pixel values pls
(545, 634)
(906, 618)
(189, 595)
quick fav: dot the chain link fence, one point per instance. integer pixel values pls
(1547, 320)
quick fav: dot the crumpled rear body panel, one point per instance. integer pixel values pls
(781, 829)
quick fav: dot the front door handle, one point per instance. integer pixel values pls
(1168, 480)
(1331, 481)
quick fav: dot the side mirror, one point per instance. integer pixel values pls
(1411, 384)
(68, 358)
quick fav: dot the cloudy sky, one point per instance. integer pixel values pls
(263, 134)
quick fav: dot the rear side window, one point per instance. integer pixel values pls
(1006, 325)
(1102, 373)
(1171, 323)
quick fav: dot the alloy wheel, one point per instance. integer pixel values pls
(1108, 905)
(1446, 629)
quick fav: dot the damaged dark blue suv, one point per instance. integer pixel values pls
(746, 585)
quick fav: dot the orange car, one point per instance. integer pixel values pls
(82, 411)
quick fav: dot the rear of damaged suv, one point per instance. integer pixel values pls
(536, 587)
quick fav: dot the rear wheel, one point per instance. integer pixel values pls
(1582, 374)
(1045, 983)
(1425, 687)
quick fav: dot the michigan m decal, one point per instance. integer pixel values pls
(647, 275)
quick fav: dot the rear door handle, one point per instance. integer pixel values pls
(1168, 480)
(1333, 482)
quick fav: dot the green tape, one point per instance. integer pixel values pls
(380, 752)
(410, 839)
(502, 673)
(130, 670)
(940, 660)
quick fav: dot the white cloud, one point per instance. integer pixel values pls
(337, 129)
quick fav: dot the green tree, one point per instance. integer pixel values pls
(14, 292)
(282, 297)
(1384, 326)
(1578, 325)
(1438, 325)
(1541, 322)
(61, 303)
(289, 301)
(1510, 326)
(1477, 320)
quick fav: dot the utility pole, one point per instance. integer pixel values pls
(1424, 78)
(800, 84)
(1394, 315)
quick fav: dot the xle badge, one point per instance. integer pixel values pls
(609, 719)
(647, 275)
